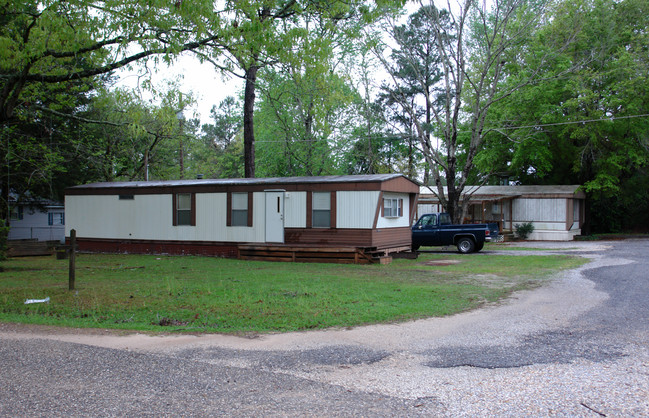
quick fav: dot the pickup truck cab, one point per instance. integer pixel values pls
(436, 229)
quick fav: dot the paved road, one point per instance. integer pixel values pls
(577, 347)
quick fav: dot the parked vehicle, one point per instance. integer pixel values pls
(436, 229)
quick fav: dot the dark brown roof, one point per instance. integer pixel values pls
(292, 183)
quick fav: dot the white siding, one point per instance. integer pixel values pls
(424, 208)
(145, 217)
(356, 209)
(34, 225)
(295, 210)
(399, 221)
(150, 217)
(211, 216)
(545, 214)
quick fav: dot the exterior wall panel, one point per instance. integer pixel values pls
(295, 210)
(356, 209)
(398, 222)
(145, 217)
(542, 210)
(149, 217)
(211, 213)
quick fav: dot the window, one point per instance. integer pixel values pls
(126, 197)
(445, 219)
(16, 213)
(55, 218)
(392, 208)
(321, 210)
(427, 220)
(184, 203)
(239, 209)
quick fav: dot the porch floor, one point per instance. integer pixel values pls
(320, 254)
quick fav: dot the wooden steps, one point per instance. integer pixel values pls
(344, 255)
(30, 247)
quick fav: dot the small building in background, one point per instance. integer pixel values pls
(36, 219)
(557, 212)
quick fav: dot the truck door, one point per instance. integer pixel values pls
(425, 231)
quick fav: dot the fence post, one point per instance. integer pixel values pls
(73, 246)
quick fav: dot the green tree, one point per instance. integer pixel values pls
(300, 111)
(53, 54)
(473, 45)
(262, 34)
(587, 126)
(62, 41)
(218, 152)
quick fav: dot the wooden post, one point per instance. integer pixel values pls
(73, 246)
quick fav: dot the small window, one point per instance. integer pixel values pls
(184, 209)
(126, 197)
(392, 208)
(321, 210)
(55, 218)
(239, 209)
(16, 213)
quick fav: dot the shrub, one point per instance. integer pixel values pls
(524, 230)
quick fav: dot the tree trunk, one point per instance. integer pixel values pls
(248, 123)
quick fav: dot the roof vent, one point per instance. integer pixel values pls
(199, 177)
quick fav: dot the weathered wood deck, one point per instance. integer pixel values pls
(30, 247)
(345, 255)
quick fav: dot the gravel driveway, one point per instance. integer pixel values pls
(577, 347)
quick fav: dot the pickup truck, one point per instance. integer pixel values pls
(435, 229)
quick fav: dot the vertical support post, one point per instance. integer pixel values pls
(484, 209)
(73, 247)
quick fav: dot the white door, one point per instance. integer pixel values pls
(274, 216)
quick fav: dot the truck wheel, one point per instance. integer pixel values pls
(465, 245)
(415, 247)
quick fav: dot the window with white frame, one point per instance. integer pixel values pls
(321, 210)
(55, 218)
(183, 209)
(392, 207)
(240, 209)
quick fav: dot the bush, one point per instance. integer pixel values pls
(524, 230)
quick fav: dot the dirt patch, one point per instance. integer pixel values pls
(441, 262)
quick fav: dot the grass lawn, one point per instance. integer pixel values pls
(205, 294)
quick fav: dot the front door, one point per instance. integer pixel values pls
(274, 216)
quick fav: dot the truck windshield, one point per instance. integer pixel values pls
(444, 219)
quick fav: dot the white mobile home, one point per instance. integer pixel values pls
(217, 216)
(557, 212)
(41, 220)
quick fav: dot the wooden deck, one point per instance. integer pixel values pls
(30, 247)
(344, 255)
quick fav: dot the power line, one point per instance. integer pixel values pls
(542, 125)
